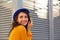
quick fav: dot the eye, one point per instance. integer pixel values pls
(21, 16)
(26, 16)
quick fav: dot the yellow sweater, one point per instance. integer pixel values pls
(20, 33)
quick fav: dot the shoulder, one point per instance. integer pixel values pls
(20, 28)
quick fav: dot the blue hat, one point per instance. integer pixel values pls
(20, 10)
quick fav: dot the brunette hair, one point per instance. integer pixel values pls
(15, 16)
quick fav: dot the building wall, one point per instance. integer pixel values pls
(45, 16)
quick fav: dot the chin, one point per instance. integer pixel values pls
(25, 24)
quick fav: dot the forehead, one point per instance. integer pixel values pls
(22, 13)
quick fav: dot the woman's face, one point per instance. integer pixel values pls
(22, 18)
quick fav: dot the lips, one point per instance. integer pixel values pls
(24, 22)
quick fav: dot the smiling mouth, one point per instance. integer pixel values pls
(24, 22)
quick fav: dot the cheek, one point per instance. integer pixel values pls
(19, 20)
(27, 19)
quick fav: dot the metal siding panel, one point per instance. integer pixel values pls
(5, 22)
(57, 28)
(40, 28)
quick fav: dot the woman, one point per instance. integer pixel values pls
(21, 25)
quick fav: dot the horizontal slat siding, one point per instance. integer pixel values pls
(5, 22)
(40, 28)
(57, 28)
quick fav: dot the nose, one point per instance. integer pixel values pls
(24, 18)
